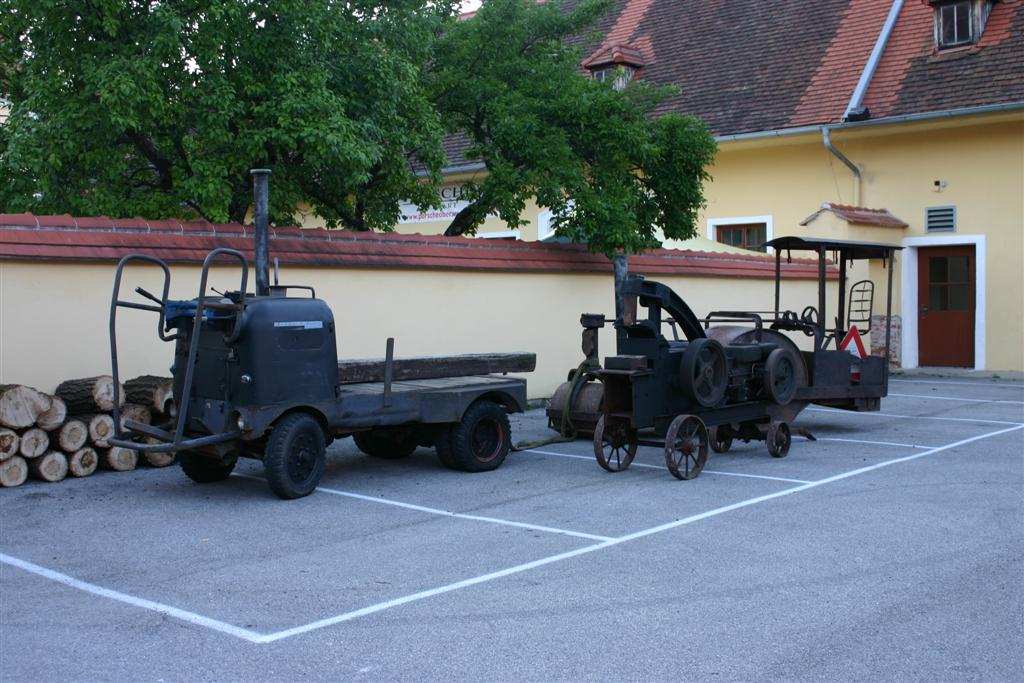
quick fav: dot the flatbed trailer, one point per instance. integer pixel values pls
(257, 376)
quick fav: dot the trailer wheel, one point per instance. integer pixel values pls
(686, 446)
(780, 376)
(295, 456)
(480, 441)
(614, 447)
(205, 470)
(392, 444)
(778, 439)
(443, 446)
(720, 438)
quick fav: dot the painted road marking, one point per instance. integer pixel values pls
(446, 513)
(834, 411)
(662, 467)
(873, 443)
(952, 398)
(980, 383)
(252, 636)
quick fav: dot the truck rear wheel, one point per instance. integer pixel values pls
(205, 470)
(391, 443)
(480, 441)
(295, 456)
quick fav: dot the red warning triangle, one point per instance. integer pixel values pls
(858, 347)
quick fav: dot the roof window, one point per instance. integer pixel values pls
(960, 22)
(616, 65)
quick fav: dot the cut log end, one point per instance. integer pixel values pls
(156, 393)
(53, 418)
(13, 471)
(52, 466)
(10, 442)
(89, 394)
(101, 428)
(120, 459)
(21, 406)
(83, 462)
(73, 435)
(34, 443)
(157, 459)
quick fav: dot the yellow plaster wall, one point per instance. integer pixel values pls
(53, 316)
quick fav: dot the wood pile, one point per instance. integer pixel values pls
(50, 436)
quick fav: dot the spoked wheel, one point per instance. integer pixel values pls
(480, 441)
(295, 456)
(614, 447)
(779, 438)
(781, 376)
(705, 372)
(720, 438)
(686, 446)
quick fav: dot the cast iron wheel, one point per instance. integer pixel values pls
(391, 443)
(203, 469)
(614, 447)
(686, 446)
(480, 441)
(295, 455)
(705, 372)
(780, 376)
(779, 439)
(720, 438)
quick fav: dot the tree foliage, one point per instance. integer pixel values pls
(160, 107)
(611, 173)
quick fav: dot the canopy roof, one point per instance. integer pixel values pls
(848, 249)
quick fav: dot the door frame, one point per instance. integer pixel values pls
(909, 356)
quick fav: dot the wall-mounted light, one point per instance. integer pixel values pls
(939, 185)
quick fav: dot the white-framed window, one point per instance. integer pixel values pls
(747, 232)
(954, 23)
(619, 75)
(499, 235)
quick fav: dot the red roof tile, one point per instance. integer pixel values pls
(859, 215)
(25, 236)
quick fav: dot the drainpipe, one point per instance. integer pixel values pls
(839, 155)
(873, 60)
(854, 106)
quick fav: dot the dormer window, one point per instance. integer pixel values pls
(616, 65)
(618, 75)
(959, 22)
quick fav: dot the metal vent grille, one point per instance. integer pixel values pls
(940, 219)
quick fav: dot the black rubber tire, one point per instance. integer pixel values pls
(295, 456)
(204, 469)
(481, 440)
(389, 443)
(443, 446)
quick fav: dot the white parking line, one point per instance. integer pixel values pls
(836, 411)
(981, 383)
(447, 513)
(252, 636)
(873, 443)
(954, 398)
(662, 467)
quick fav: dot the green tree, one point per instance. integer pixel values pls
(159, 108)
(612, 174)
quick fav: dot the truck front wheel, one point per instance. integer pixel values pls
(480, 441)
(295, 456)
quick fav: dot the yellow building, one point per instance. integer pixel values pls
(914, 110)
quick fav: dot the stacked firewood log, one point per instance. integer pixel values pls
(49, 437)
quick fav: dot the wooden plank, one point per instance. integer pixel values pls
(358, 370)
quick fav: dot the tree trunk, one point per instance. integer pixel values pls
(73, 435)
(21, 406)
(101, 428)
(54, 417)
(156, 393)
(52, 466)
(89, 395)
(10, 442)
(119, 459)
(34, 442)
(83, 462)
(13, 471)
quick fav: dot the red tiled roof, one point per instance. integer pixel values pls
(615, 54)
(860, 215)
(26, 236)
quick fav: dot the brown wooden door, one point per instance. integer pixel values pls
(945, 303)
